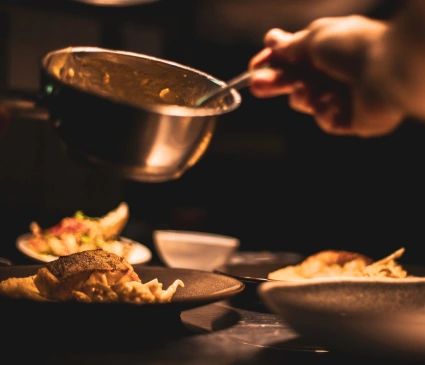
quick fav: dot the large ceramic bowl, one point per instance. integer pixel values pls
(380, 317)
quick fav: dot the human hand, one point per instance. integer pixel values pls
(329, 70)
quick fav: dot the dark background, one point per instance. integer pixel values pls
(270, 177)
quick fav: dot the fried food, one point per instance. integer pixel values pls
(88, 276)
(21, 288)
(80, 233)
(334, 263)
(59, 278)
(112, 224)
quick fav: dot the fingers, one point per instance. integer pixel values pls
(277, 38)
(334, 116)
(284, 58)
(324, 71)
(271, 82)
(301, 98)
(288, 47)
(329, 107)
(279, 48)
(260, 58)
(279, 79)
(309, 91)
(340, 111)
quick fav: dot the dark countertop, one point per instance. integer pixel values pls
(215, 334)
(238, 330)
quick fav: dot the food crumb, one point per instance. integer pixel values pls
(164, 93)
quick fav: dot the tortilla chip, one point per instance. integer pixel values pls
(114, 222)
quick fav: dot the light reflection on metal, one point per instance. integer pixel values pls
(116, 2)
(49, 89)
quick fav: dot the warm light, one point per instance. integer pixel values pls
(116, 2)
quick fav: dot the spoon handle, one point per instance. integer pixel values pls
(237, 83)
(5, 262)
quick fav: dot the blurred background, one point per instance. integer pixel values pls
(270, 177)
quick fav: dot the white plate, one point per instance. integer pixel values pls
(139, 253)
(360, 316)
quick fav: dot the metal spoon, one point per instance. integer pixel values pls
(5, 262)
(238, 82)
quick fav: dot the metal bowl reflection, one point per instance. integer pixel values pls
(129, 113)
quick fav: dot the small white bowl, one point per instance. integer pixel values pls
(193, 250)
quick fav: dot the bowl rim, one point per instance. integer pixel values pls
(166, 109)
(194, 237)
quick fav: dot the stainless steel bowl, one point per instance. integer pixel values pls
(131, 114)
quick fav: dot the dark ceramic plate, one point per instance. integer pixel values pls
(57, 320)
(252, 269)
(201, 287)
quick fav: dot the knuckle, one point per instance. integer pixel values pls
(320, 23)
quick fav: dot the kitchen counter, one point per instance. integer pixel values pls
(216, 334)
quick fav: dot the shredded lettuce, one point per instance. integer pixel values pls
(79, 214)
(85, 238)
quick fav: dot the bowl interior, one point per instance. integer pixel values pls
(194, 250)
(134, 78)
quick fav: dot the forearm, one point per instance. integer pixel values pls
(400, 59)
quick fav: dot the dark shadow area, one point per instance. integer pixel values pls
(209, 318)
(270, 177)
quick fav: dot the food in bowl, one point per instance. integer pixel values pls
(333, 263)
(80, 233)
(88, 276)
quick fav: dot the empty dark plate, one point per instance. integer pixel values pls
(255, 266)
(252, 268)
